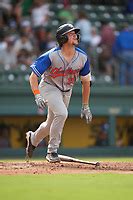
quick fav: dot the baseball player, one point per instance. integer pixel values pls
(59, 69)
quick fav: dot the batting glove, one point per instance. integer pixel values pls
(40, 101)
(86, 113)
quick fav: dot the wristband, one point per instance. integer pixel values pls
(36, 92)
(85, 106)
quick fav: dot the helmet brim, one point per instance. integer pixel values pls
(77, 30)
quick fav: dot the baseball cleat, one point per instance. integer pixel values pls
(30, 148)
(52, 157)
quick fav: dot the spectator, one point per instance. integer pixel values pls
(85, 29)
(8, 54)
(129, 7)
(119, 139)
(50, 41)
(3, 141)
(39, 13)
(23, 43)
(4, 136)
(94, 43)
(102, 138)
(123, 50)
(3, 23)
(3, 44)
(95, 37)
(6, 4)
(24, 58)
(107, 34)
(5, 10)
(65, 15)
(26, 29)
(17, 12)
(41, 37)
(23, 49)
(106, 62)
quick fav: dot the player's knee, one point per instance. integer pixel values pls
(63, 115)
(44, 125)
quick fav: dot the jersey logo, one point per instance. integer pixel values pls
(56, 72)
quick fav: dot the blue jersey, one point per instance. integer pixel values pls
(124, 42)
(55, 70)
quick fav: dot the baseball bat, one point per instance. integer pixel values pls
(71, 159)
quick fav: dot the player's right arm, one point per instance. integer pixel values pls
(38, 68)
(34, 87)
(34, 83)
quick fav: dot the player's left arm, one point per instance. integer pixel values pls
(85, 110)
(85, 76)
(86, 83)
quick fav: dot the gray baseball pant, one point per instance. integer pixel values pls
(58, 102)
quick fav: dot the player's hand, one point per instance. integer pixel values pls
(86, 113)
(41, 103)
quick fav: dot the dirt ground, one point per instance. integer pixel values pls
(43, 167)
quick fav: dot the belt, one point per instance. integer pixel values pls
(62, 90)
(58, 87)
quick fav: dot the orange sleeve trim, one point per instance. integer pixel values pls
(36, 92)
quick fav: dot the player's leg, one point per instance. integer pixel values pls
(66, 98)
(60, 115)
(57, 114)
(43, 129)
(59, 108)
(34, 138)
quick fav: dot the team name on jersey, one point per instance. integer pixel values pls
(56, 72)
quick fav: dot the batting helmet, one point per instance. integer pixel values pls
(63, 30)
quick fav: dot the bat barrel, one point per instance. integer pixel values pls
(71, 159)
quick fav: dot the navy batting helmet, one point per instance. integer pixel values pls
(63, 30)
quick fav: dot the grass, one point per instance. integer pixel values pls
(64, 187)
(98, 186)
(112, 159)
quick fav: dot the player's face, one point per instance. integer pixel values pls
(72, 38)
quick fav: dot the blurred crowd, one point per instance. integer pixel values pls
(27, 32)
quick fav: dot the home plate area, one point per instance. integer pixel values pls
(44, 167)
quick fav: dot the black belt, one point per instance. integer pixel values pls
(62, 90)
(58, 87)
